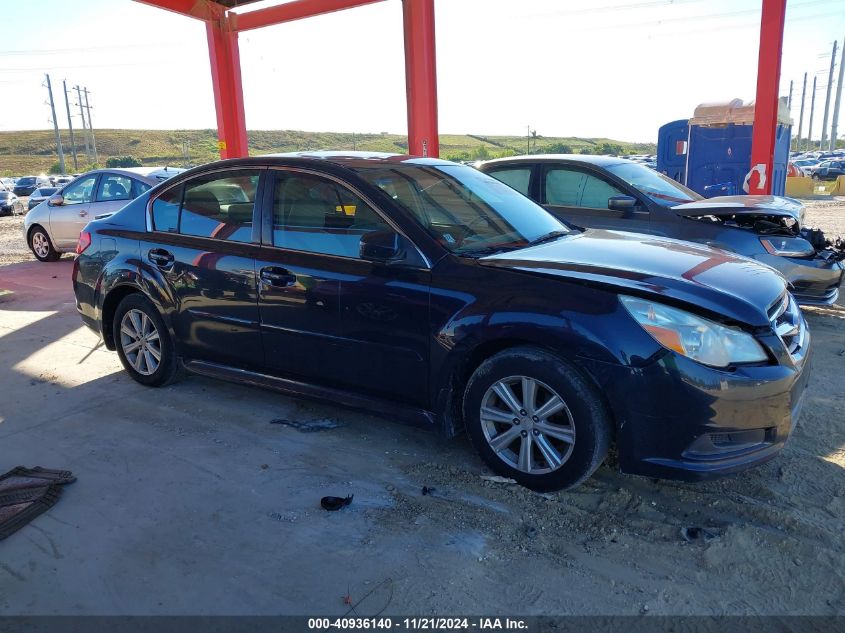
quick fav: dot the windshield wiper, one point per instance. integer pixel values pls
(483, 252)
(548, 237)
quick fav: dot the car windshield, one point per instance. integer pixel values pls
(4, 195)
(662, 189)
(26, 181)
(466, 211)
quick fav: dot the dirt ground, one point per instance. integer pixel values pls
(190, 501)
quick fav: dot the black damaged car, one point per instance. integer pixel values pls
(614, 193)
(427, 291)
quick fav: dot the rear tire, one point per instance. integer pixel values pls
(143, 343)
(535, 418)
(41, 246)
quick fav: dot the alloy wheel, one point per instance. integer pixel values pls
(40, 244)
(528, 425)
(140, 342)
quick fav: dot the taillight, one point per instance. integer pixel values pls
(83, 243)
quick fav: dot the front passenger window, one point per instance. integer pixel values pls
(80, 192)
(571, 188)
(596, 193)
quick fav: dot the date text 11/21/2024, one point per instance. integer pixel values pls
(418, 624)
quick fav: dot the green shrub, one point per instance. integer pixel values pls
(123, 161)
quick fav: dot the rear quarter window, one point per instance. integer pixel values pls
(166, 210)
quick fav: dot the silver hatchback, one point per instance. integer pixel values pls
(53, 227)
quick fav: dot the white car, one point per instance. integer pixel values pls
(53, 227)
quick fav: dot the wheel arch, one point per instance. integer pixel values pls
(450, 391)
(110, 303)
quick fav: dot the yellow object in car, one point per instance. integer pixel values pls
(346, 209)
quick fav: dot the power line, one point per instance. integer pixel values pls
(91, 49)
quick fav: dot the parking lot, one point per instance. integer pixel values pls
(203, 497)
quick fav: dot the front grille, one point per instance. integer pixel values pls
(788, 323)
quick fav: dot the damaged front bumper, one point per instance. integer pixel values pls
(691, 422)
(813, 281)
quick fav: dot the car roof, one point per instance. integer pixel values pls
(148, 174)
(589, 159)
(359, 159)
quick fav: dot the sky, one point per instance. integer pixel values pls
(597, 68)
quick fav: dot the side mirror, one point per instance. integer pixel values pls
(383, 247)
(621, 203)
(56, 200)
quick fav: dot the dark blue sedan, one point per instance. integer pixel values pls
(427, 291)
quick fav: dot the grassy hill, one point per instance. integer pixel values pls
(32, 152)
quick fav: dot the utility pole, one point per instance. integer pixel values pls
(827, 100)
(789, 101)
(812, 110)
(834, 128)
(56, 126)
(84, 128)
(70, 127)
(528, 136)
(91, 128)
(801, 115)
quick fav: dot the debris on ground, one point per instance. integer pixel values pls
(693, 534)
(496, 479)
(27, 492)
(427, 490)
(308, 426)
(333, 504)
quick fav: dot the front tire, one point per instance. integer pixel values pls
(143, 344)
(535, 418)
(41, 246)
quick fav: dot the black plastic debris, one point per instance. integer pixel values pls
(698, 534)
(428, 490)
(333, 504)
(308, 426)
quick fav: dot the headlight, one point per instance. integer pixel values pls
(702, 340)
(787, 246)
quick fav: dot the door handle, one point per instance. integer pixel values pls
(83, 213)
(161, 257)
(279, 277)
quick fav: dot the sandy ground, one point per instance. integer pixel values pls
(190, 501)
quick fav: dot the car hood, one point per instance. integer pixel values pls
(743, 205)
(707, 279)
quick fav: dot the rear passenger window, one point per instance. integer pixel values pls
(319, 216)
(517, 178)
(218, 206)
(114, 187)
(563, 187)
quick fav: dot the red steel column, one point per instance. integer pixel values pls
(766, 106)
(421, 77)
(228, 91)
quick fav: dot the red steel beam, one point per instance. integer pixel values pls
(228, 89)
(766, 106)
(421, 77)
(290, 11)
(200, 9)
